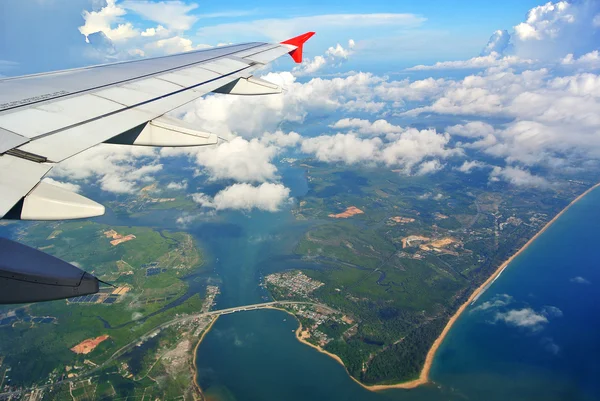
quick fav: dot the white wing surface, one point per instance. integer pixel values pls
(47, 118)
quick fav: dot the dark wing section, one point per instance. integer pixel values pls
(29, 275)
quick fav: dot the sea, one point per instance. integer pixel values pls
(533, 335)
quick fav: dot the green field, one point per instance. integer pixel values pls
(403, 293)
(37, 352)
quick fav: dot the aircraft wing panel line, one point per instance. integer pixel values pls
(62, 144)
(133, 105)
(10, 105)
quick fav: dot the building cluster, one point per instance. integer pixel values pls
(209, 301)
(294, 282)
(320, 315)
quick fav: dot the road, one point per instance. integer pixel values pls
(181, 319)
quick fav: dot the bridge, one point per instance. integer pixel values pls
(264, 305)
(180, 319)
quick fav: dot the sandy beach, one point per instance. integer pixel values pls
(194, 366)
(424, 375)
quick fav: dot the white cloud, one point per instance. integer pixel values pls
(281, 139)
(177, 185)
(525, 317)
(173, 14)
(498, 301)
(579, 280)
(490, 60)
(554, 29)
(333, 56)
(251, 116)
(413, 146)
(114, 167)
(309, 66)
(347, 148)
(472, 129)
(366, 127)
(339, 52)
(498, 43)
(429, 167)
(518, 177)
(103, 19)
(158, 31)
(267, 196)
(239, 159)
(405, 150)
(172, 45)
(589, 60)
(469, 165)
(550, 346)
(65, 185)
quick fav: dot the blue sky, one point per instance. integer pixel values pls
(507, 88)
(42, 35)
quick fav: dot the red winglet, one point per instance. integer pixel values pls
(298, 41)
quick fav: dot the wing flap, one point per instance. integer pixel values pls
(18, 177)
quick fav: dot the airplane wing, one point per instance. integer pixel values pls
(49, 117)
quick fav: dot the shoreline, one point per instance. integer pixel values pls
(194, 366)
(424, 375)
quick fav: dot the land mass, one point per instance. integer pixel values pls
(406, 268)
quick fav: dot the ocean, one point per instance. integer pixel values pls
(533, 335)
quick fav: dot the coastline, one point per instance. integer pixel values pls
(424, 375)
(194, 366)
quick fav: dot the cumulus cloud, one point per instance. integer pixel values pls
(579, 280)
(525, 317)
(172, 45)
(281, 139)
(405, 150)
(498, 301)
(103, 19)
(429, 167)
(267, 196)
(173, 14)
(366, 127)
(251, 116)
(347, 148)
(518, 177)
(552, 30)
(589, 60)
(177, 185)
(499, 43)
(65, 185)
(470, 165)
(117, 169)
(550, 345)
(492, 59)
(334, 56)
(239, 159)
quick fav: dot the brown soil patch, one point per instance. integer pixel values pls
(118, 238)
(87, 346)
(402, 220)
(351, 211)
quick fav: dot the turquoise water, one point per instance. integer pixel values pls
(533, 335)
